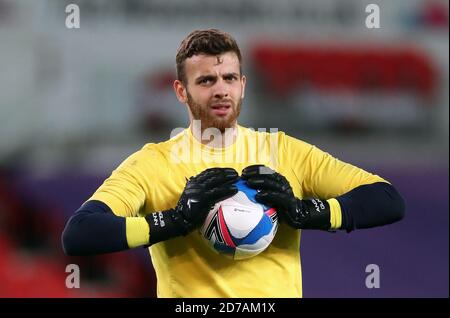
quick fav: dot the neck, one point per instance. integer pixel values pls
(213, 137)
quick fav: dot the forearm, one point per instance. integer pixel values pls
(95, 229)
(364, 207)
(370, 205)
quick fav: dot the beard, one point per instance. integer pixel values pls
(207, 120)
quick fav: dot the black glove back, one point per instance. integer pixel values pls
(274, 190)
(201, 193)
(199, 196)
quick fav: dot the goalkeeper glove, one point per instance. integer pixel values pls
(199, 196)
(275, 191)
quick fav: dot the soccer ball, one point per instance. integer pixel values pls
(240, 227)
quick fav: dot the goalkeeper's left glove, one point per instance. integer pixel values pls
(275, 191)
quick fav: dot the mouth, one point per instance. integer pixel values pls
(221, 109)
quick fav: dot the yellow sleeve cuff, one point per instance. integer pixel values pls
(138, 231)
(335, 214)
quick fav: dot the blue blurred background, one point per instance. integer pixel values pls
(75, 102)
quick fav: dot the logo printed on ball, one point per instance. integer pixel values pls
(241, 210)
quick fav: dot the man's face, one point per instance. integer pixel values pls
(214, 89)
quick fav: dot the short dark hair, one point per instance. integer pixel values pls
(209, 42)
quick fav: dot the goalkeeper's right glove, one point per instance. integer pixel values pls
(199, 196)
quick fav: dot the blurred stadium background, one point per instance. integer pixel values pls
(75, 102)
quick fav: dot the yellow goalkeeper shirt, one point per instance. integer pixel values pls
(153, 178)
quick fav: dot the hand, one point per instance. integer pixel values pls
(201, 193)
(274, 190)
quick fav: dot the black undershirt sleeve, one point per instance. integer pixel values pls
(371, 205)
(94, 229)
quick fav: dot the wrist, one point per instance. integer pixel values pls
(164, 225)
(335, 214)
(137, 231)
(315, 212)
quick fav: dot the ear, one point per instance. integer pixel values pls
(180, 91)
(243, 81)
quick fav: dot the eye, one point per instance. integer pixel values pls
(230, 78)
(205, 81)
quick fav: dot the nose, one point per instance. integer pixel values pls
(221, 90)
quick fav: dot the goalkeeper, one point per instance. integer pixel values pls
(161, 194)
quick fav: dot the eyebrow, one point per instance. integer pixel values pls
(213, 77)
